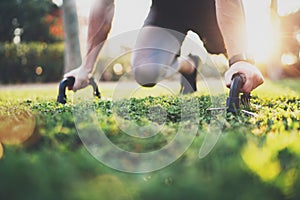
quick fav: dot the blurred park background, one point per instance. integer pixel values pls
(40, 40)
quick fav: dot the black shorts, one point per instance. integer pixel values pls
(198, 16)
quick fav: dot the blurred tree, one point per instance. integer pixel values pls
(29, 16)
(72, 45)
(55, 20)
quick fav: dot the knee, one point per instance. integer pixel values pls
(147, 75)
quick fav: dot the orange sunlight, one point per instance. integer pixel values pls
(263, 33)
(288, 6)
(263, 27)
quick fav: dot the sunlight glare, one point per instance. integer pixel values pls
(286, 7)
(261, 32)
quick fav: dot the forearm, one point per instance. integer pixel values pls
(231, 20)
(100, 20)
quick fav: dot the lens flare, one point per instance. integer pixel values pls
(288, 59)
(16, 128)
(1, 151)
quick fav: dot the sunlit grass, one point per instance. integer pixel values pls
(258, 157)
(132, 89)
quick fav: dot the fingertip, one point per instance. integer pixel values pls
(74, 88)
(262, 80)
(228, 83)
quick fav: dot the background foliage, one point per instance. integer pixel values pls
(33, 16)
(31, 62)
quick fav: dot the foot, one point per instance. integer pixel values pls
(189, 81)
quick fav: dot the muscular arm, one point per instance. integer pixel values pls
(100, 19)
(231, 20)
(99, 25)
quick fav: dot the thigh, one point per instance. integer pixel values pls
(156, 45)
(212, 39)
(198, 16)
(205, 24)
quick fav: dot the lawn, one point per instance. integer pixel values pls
(43, 157)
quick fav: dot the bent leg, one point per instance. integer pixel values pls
(155, 55)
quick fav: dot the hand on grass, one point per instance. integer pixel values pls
(81, 76)
(254, 78)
